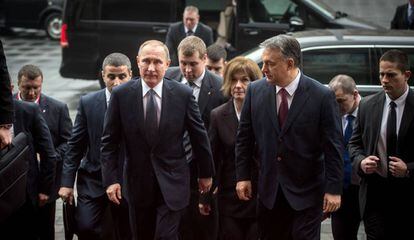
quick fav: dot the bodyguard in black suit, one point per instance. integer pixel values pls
(192, 55)
(56, 114)
(188, 27)
(150, 115)
(382, 151)
(294, 122)
(40, 177)
(6, 102)
(404, 17)
(237, 218)
(84, 157)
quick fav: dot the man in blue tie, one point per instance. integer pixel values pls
(345, 221)
(404, 16)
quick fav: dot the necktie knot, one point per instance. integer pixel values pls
(393, 105)
(190, 32)
(350, 118)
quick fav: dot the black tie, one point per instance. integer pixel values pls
(190, 33)
(151, 119)
(391, 132)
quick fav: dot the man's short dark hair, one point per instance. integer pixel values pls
(215, 52)
(397, 56)
(30, 72)
(116, 60)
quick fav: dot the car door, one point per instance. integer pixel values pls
(23, 13)
(259, 20)
(125, 24)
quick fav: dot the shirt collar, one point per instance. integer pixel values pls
(107, 96)
(399, 101)
(157, 88)
(21, 99)
(198, 81)
(291, 88)
(194, 29)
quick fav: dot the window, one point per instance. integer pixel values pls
(324, 64)
(137, 10)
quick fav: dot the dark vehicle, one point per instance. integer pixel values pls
(327, 53)
(94, 28)
(40, 14)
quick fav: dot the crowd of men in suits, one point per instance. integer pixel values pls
(144, 162)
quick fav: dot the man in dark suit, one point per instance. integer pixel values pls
(188, 27)
(6, 102)
(192, 55)
(56, 114)
(382, 151)
(150, 115)
(294, 122)
(40, 177)
(345, 222)
(404, 16)
(84, 158)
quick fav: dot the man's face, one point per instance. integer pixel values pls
(30, 89)
(275, 66)
(239, 84)
(393, 81)
(347, 102)
(152, 64)
(216, 67)
(193, 66)
(190, 19)
(114, 76)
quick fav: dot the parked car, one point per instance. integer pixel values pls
(39, 14)
(327, 53)
(94, 28)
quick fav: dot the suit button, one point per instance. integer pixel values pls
(279, 159)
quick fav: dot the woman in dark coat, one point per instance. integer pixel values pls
(237, 218)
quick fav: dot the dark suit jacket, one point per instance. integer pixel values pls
(304, 158)
(210, 94)
(29, 120)
(165, 161)
(176, 33)
(222, 133)
(6, 100)
(364, 141)
(85, 144)
(400, 20)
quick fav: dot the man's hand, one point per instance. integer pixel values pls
(42, 199)
(66, 194)
(204, 184)
(369, 164)
(5, 137)
(397, 167)
(244, 190)
(331, 202)
(204, 209)
(114, 193)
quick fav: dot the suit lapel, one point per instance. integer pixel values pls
(100, 109)
(166, 107)
(136, 113)
(205, 92)
(377, 109)
(229, 117)
(298, 102)
(270, 97)
(407, 117)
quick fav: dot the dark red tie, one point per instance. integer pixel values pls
(283, 108)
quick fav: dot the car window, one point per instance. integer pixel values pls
(271, 10)
(324, 64)
(137, 10)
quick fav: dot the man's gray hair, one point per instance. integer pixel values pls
(191, 8)
(344, 82)
(288, 45)
(116, 60)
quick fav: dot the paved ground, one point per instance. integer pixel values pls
(32, 47)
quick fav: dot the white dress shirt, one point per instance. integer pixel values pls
(291, 89)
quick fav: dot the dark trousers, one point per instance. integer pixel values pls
(345, 222)
(283, 222)
(47, 221)
(120, 217)
(93, 218)
(232, 228)
(389, 204)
